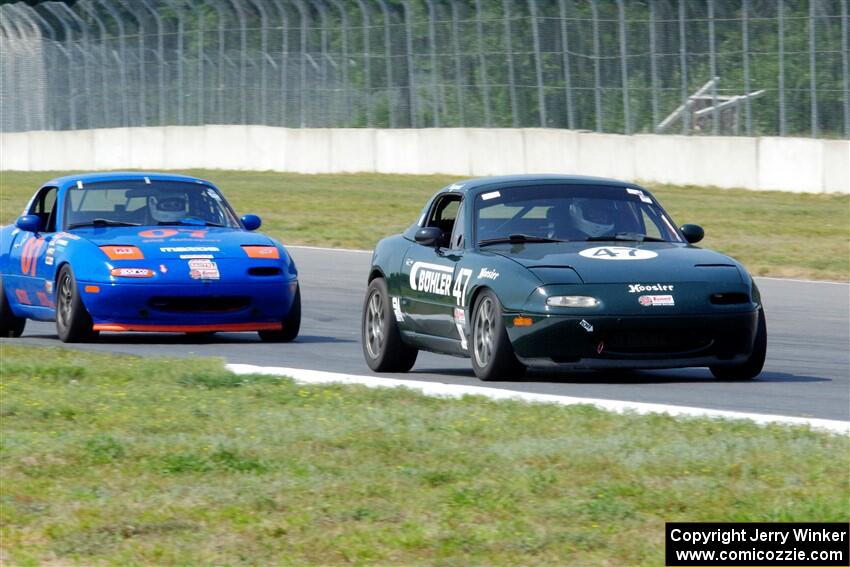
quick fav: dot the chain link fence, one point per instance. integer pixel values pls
(746, 67)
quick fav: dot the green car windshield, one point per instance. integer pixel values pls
(146, 203)
(546, 213)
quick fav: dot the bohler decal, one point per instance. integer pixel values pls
(431, 278)
(437, 279)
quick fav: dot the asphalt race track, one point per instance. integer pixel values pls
(807, 373)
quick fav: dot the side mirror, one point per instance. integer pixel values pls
(251, 222)
(29, 223)
(693, 232)
(428, 236)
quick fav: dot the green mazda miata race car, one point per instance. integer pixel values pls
(546, 270)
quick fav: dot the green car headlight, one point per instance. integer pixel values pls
(571, 301)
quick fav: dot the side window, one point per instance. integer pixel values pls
(443, 215)
(650, 227)
(44, 206)
(457, 242)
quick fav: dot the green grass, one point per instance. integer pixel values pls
(122, 460)
(772, 233)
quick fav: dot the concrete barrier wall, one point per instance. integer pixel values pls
(785, 164)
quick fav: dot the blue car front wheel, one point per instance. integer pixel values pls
(73, 322)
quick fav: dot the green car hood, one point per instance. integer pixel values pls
(621, 261)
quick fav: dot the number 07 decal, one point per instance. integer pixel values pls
(29, 255)
(461, 284)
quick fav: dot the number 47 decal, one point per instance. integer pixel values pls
(461, 284)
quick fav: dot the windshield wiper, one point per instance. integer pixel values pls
(190, 221)
(103, 222)
(518, 239)
(625, 236)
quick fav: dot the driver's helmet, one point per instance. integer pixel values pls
(593, 217)
(168, 208)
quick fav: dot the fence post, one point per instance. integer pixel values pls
(200, 28)
(565, 53)
(683, 63)
(780, 6)
(388, 62)
(432, 47)
(219, 80)
(845, 50)
(104, 97)
(813, 78)
(69, 48)
(597, 77)
(160, 51)
(86, 49)
(712, 63)
(43, 25)
(346, 90)
(482, 62)
(458, 63)
(411, 72)
(745, 37)
(653, 60)
(243, 61)
(20, 32)
(7, 122)
(140, 28)
(302, 87)
(178, 12)
(264, 54)
(284, 55)
(538, 64)
(122, 61)
(506, 7)
(624, 68)
(367, 63)
(12, 83)
(324, 58)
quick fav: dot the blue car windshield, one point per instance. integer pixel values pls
(142, 203)
(570, 213)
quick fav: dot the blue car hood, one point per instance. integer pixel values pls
(171, 241)
(622, 262)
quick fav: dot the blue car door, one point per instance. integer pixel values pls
(31, 258)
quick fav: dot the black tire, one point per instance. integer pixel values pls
(492, 354)
(291, 323)
(752, 366)
(10, 325)
(73, 322)
(383, 347)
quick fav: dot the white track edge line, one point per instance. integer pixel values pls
(830, 282)
(327, 249)
(441, 389)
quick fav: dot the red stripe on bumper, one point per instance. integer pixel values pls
(122, 327)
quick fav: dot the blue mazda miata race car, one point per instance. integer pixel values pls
(143, 252)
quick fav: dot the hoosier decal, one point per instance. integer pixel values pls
(640, 288)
